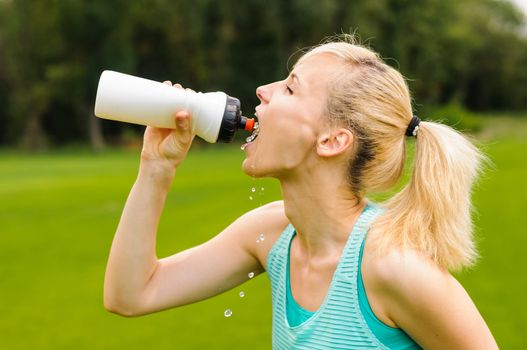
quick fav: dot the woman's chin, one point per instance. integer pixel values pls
(250, 167)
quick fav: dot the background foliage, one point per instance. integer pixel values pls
(469, 53)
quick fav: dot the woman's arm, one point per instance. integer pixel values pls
(213, 267)
(137, 283)
(132, 259)
(429, 304)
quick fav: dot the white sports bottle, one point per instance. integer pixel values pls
(215, 116)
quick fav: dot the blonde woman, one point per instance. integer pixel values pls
(346, 273)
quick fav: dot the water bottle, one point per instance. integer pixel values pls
(215, 115)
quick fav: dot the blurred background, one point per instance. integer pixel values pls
(64, 174)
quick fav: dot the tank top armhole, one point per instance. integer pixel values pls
(371, 319)
(391, 337)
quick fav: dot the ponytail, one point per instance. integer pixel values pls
(432, 214)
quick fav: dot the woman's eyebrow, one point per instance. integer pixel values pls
(295, 77)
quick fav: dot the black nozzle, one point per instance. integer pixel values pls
(243, 122)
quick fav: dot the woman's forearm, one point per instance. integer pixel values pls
(133, 259)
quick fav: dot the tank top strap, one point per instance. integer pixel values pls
(280, 248)
(349, 260)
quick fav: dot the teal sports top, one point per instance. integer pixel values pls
(345, 319)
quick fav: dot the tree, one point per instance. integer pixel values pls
(53, 51)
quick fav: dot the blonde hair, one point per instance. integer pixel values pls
(432, 213)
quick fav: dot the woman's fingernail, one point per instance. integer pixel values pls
(181, 123)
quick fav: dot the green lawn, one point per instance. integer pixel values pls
(58, 214)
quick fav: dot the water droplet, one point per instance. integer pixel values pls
(261, 237)
(261, 189)
(242, 294)
(253, 189)
(250, 198)
(251, 274)
(257, 241)
(242, 147)
(227, 313)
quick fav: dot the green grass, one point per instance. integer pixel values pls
(499, 281)
(59, 211)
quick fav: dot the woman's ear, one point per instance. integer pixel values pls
(335, 142)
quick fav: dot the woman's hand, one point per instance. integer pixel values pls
(164, 149)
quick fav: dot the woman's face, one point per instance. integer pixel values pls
(290, 117)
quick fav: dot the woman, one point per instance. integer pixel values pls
(345, 273)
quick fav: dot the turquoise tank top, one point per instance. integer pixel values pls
(345, 319)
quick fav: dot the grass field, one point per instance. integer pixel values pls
(59, 211)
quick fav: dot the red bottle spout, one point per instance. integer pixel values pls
(249, 124)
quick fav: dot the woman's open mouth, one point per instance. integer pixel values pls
(255, 133)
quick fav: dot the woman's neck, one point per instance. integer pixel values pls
(323, 212)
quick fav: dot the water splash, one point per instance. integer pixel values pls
(251, 274)
(250, 198)
(254, 135)
(242, 294)
(253, 189)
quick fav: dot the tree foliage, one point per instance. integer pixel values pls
(468, 52)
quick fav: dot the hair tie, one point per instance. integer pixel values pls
(413, 127)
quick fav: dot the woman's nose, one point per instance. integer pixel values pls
(263, 93)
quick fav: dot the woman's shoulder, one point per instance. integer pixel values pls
(403, 268)
(414, 293)
(268, 215)
(403, 281)
(264, 225)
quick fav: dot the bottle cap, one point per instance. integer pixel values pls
(231, 120)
